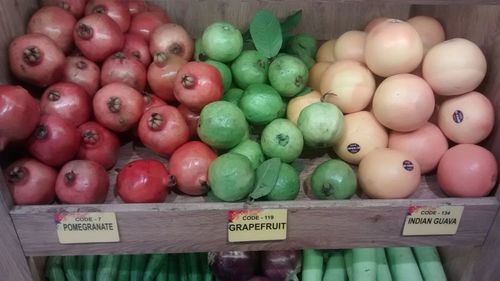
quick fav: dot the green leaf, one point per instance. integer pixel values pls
(267, 175)
(266, 33)
(291, 22)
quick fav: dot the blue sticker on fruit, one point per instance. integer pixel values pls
(408, 165)
(458, 116)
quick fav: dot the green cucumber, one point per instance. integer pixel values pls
(383, 271)
(205, 269)
(108, 268)
(162, 274)
(364, 264)
(155, 263)
(137, 266)
(348, 262)
(71, 266)
(194, 272)
(89, 267)
(312, 266)
(402, 264)
(335, 268)
(124, 269)
(173, 267)
(429, 263)
(53, 269)
(183, 267)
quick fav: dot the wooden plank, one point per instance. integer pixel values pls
(322, 19)
(181, 227)
(13, 264)
(486, 268)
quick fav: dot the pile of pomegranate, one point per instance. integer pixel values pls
(106, 69)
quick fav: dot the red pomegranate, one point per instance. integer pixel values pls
(98, 144)
(151, 100)
(191, 119)
(125, 69)
(161, 75)
(69, 101)
(136, 46)
(83, 72)
(117, 10)
(144, 23)
(171, 39)
(56, 23)
(75, 7)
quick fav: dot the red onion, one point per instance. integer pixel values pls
(144, 23)
(36, 59)
(117, 10)
(137, 47)
(55, 141)
(280, 265)
(98, 144)
(233, 265)
(19, 114)
(67, 100)
(171, 39)
(97, 36)
(83, 72)
(75, 7)
(118, 107)
(56, 23)
(31, 182)
(125, 69)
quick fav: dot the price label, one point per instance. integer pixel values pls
(257, 225)
(442, 220)
(75, 228)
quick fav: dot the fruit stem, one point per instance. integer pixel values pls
(85, 31)
(32, 55)
(54, 95)
(172, 181)
(175, 48)
(136, 54)
(69, 177)
(120, 56)
(17, 174)
(188, 81)
(327, 189)
(155, 121)
(90, 137)
(81, 65)
(41, 131)
(147, 98)
(160, 58)
(99, 9)
(114, 104)
(282, 139)
(325, 95)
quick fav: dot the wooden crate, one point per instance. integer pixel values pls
(184, 224)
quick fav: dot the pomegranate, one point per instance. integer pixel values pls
(172, 39)
(56, 23)
(163, 129)
(98, 144)
(161, 75)
(136, 6)
(143, 181)
(144, 23)
(189, 167)
(55, 141)
(97, 36)
(19, 114)
(151, 100)
(83, 72)
(125, 69)
(137, 47)
(117, 10)
(198, 84)
(75, 7)
(118, 107)
(36, 59)
(31, 182)
(67, 100)
(82, 182)
(191, 119)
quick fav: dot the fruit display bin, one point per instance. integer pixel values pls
(192, 224)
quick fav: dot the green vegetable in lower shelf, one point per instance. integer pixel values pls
(364, 265)
(312, 265)
(429, 263)
(402, 264)
(335, 268)
(53, 269)
(137, 266)
(89, 267)
(108, 267)
(153, 267)
(71, 266)
(124, 269)
(383, 271)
